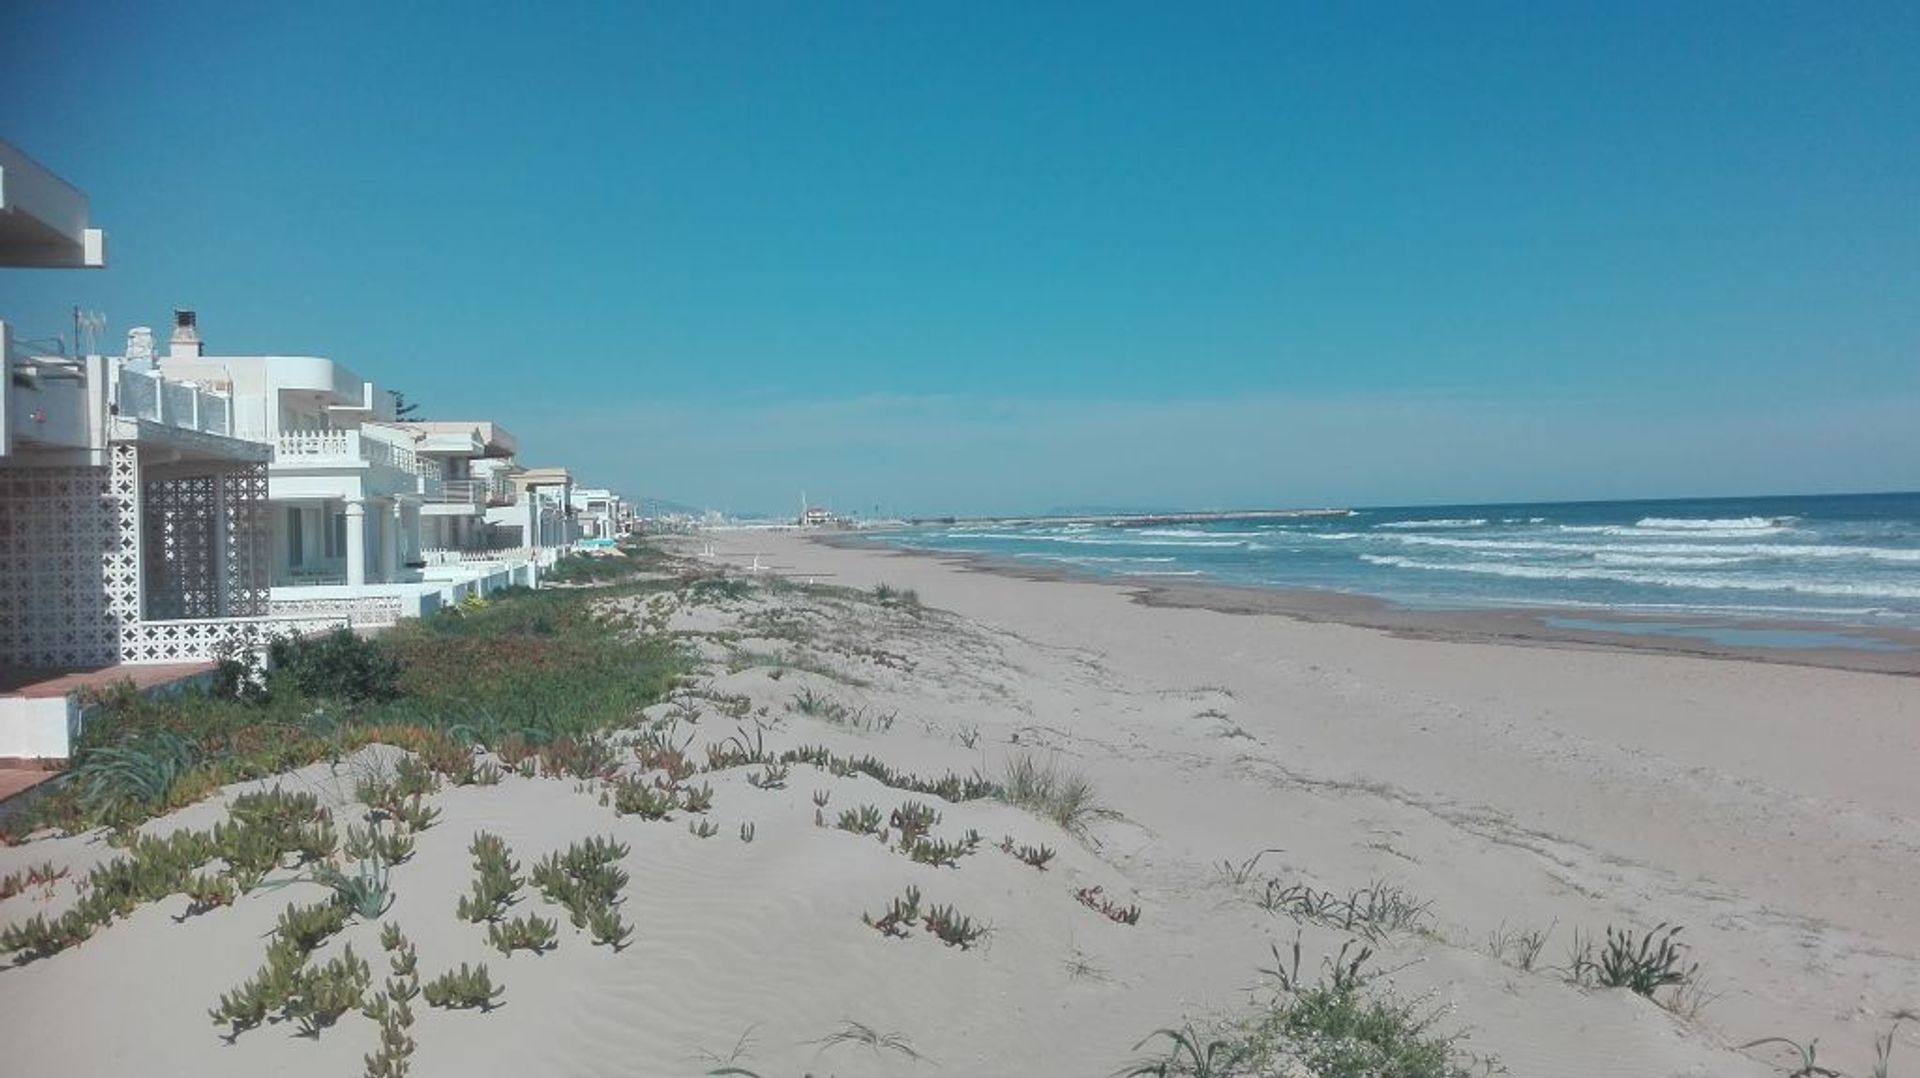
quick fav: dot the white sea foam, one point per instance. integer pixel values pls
(1087, 540)
(1667, 561)
(1094, 559)
(1710, 582)
(1725, 551)
(1736, 524)
(1444, 522)
(1192, 533)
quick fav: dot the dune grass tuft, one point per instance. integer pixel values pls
(1066, 797)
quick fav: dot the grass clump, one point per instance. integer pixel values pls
(1374, 911)
(1066, 797)
(1644, 964)
(1335, 1026)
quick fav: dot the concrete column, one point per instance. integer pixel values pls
(356, 541)
(390, 542)
(410, 531)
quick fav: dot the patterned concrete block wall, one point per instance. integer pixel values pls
(69, 561)
(82, 583)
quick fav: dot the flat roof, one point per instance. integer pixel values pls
(43, 218)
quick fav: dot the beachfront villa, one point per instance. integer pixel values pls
(467, 465)
(600, 513)
(540, 516)
(348, 487)
(132, 518)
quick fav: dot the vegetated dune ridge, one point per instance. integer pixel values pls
(1763, 807)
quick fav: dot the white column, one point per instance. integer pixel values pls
(410, 531)
(390, 542)
(356, 542)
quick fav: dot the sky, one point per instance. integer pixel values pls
(1001, 258)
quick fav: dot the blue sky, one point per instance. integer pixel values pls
(984, 257)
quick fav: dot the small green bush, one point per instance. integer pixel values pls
(339, 666)
(528, 933)
(463, 989)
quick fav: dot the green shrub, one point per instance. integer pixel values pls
(339, 666)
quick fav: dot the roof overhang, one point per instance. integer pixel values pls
(43, 218)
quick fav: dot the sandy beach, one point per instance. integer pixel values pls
(1770, 809)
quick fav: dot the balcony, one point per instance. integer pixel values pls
(456, 496)
(345, 448)
(384, 468)
(146, 395)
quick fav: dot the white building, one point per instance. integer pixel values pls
(133, 524)
(351, 486)
(470, 463)
(541, 514)
(599, 513)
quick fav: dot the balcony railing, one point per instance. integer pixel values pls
(341, 447)
(148, 396)
(459, 492)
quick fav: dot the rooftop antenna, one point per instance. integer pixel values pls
(86, 331)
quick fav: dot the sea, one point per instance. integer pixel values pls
(1703, 565)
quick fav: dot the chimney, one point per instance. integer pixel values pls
(186, 337)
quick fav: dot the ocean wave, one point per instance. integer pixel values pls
(1445, 522)
(1722, 608)
(1732, 524)
(1705, 582)
(1094, 559)
(1668, 561)
(1704, 552)
(1087, 540)
(1192, 533)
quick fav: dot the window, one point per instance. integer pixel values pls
(296, 548)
